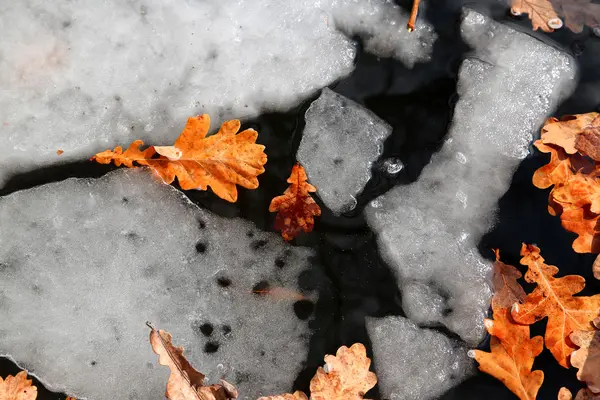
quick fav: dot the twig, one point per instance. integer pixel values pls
(413, 16)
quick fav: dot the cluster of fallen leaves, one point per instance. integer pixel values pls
(547, 14)
(346, 375)
(572, 332)
(574, 175)
(221, 161)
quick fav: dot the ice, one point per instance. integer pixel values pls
(414, 363)
(428, 231)
(72, 81)
(85, 263)
(339, 144)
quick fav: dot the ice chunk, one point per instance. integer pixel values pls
(70, 81)
(414, 363)
(85, 263)
(429, 231)
(339, 144)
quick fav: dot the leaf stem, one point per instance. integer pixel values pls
(413, 16)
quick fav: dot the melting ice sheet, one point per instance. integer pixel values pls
(83, 76)
(340, 142)
(414, 363)
(85, 263)
(428, 231)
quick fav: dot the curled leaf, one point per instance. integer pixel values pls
(221, 161)
(347, 376)
(295, 209)
(587, 358)
(185, 382)
(554, 298)
(17, 387)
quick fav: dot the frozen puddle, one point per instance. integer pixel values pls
(85, 263)
(340, 142)
(428, 231)
(414, 363)
(71, 82)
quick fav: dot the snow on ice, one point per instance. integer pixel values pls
(85, 263)
(428, 231)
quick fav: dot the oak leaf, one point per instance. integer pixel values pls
(586, 225)
(295, 209)
(565, 131)
(557, 171)
(17, 387)
(185, 382)
(583, 394)
(596, 267)
(511, 355)
(587, 358)
(298, 395)
(553, 298)
(545, 14)
(507, 291)
(221, 161)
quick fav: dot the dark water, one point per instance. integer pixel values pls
(359, 283)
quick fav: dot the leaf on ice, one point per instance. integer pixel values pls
(554, 298)
(507, 291)
(545, 14)
(587, 358)
(295, 209)
(511, 355)
(17, 387)
(221, 161)
(346, 376)
(185, 382)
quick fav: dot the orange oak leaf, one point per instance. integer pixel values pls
(221, 161)
(185, 382)
(511, 355)
(507, 291)
(586, 225)
(582, 190)
(298, 395)
(588, 143)
(553, 298)
(583, 394)
(17, 387)
(346, 375)
(545, 14)
(587, 358)
(557, 171)
(564, 132)
(295, 209)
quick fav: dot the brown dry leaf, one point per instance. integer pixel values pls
(596, 267)
(185, 382)
(221, 161)
(553, 298)
(17, 387)
(564, 132)
(545, 14)
(587, 358)
(512, 354)
(298, 395)
(583, 394)
(295, 209)
(586, 225)
(588, 142)
(59, 152)
(346, 377)
(507, 291)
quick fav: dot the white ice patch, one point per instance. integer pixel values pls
(429, 231)
(87, 75)
(85, 263)
(414, 363)
(339, 144)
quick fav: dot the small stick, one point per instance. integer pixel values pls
(413, 16)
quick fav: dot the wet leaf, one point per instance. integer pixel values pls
(221, 161)
(554, 298)
(544, 14)
(17, 387)
(347, 376)
(507, 291)
(295, 209)
(512, 354)
(185, 382)
(587, 358)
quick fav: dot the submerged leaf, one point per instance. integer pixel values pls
(17, 387)
(553, 298)
(295, 209)
(185, 382)
(221, 161)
